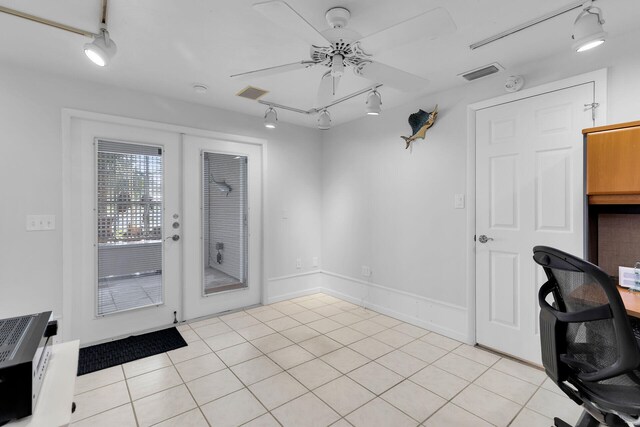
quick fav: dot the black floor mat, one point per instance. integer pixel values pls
(102, 356)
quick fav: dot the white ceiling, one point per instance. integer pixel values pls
(165, 46)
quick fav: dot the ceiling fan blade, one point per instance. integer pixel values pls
(390, 76)
(434, 23)
(281, 14)
(269, 71)
(327, 89)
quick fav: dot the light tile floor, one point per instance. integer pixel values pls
(319, 361)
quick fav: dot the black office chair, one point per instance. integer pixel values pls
(588, 347)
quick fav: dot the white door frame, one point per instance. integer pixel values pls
(599, 77)
(68, 115)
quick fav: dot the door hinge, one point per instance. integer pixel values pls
(592, 106)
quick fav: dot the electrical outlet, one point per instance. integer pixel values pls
(366, 271)
(314, 261)
(298, 263)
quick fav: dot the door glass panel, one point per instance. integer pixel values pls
(224, 225)
(129, 226)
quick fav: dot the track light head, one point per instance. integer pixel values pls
(324, 120)
(587, 29)
(270, 118)
(374, 101)
(101, 49)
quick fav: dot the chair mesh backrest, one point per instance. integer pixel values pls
(593, 342)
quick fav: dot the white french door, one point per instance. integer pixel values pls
(529, 191)
(125, 210)
(222, 197)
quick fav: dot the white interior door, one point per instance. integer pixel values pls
(222, 199)
(125, 199)
(529, 191)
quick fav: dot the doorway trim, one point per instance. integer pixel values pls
(598, 77)
(67, 116)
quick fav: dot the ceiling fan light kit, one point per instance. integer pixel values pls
(338, 48)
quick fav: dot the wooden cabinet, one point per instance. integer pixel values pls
(612, 208)
(613, 164)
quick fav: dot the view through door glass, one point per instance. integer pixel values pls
(224, 214)
(129, 226)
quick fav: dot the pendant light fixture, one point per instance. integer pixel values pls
(587, 29)
(374, 101)
(324, 120)
(102, 48)
(270, 118)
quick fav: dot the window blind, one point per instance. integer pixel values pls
(129, 225)
(224, 220)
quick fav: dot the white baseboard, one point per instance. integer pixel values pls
(441, 317)
(444, 318)
(292, 286)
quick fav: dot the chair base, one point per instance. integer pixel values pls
(585, 420)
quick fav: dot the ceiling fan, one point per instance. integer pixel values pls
(339, 47)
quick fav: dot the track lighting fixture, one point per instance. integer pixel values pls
(587, 29)
(374, 101)
(270, 118)
(101, 49)
(324, 120)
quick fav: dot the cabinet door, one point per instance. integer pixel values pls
(613, 162)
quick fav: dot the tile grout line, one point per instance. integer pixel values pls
(206, 420)
(385, 327)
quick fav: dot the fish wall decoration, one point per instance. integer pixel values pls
(420, 122)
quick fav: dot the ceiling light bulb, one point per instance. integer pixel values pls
(587, 29)
(374, 101)
(324, 120)
(270, 118)
(101, 49)
(337, 66)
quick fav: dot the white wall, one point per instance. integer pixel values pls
(31, 178)
(351, 196)
(392, 209)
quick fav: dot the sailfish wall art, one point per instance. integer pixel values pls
(420, 122)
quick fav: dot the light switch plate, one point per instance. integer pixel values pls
(458, 201)
(32, 223)
(41, 222)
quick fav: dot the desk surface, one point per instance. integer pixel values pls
(631, 300)
(56, 395)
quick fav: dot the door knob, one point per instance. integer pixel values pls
(175, 238)
(484, 239)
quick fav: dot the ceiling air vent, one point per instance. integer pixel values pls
(251, 92)
(485, 71)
